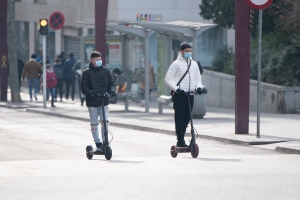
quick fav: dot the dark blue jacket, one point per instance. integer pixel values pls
(68, 72)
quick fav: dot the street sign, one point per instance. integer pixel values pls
(56, 20)
(259, 4)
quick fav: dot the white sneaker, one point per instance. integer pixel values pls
(30, 100)
(35, 97)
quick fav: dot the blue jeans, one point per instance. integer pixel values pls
(95, 112)
(52, 91)
(33, 82)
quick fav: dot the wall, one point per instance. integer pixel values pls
(274, 98)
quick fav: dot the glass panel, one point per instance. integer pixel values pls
(22, 37)
(208, 41)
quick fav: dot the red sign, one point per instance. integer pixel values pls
(260, 4)
(56, 20)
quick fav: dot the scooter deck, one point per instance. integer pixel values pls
(182, 150)
(97, 152)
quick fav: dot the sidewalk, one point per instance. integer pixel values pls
(280, 132)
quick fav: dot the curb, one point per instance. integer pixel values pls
(168, 132)
(287, 150)
(146, 129)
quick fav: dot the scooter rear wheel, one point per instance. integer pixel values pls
(108, 153)
(88, 149)
(173, 154)
(195, 151)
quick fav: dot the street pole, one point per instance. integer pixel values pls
(147, 73)
(259, 72)
(44, 71)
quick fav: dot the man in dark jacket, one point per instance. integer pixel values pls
(70, 76)
(58, 69)
(96, 81)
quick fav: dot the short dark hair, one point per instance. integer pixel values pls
(184, 46)
(33, 56)
(117, 71)
(71, 55)
(95, 54)
(48, 66)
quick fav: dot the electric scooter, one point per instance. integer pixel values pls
(193, 147)
(107, 151)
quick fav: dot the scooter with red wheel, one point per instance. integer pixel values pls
(106, 150)
(193, 146)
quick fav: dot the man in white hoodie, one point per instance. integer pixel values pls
(190, 83)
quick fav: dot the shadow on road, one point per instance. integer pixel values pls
(220, 159)
(122, 161)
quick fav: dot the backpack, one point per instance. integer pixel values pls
(58, 71)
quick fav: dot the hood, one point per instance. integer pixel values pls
(50, 70)
(91, 66)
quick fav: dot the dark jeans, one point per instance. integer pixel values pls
(81, 96)
(182, 114)
(59, 88)
(70, 82)
(52, 91)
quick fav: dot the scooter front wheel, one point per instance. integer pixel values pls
(173, 154)
(108, 153)
(195, 151)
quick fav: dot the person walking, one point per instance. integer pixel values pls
(51, 82)
(97, 80)
(151, 79)
(183, 77)
(70, 76)
(59, 72)
(20, 70)
(31, 71)
(119, 80)
(77, 70)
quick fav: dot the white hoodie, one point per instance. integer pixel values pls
(192, 79)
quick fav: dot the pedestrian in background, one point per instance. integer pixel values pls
(51, 82)
(20, 70)
(70, 76)
(62, 58)
(77, 70)
(151, 79)
(31, 71)
(59, 72)
(119, 80)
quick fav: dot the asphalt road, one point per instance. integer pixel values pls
(43, 157)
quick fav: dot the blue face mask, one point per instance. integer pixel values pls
(99, 63)
(187, 55)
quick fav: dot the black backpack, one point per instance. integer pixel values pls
(58, 71)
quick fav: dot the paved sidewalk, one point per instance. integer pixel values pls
(279, 132)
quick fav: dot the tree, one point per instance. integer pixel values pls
(288, 14)
(222, 13)
(12, 52)
(219, 11)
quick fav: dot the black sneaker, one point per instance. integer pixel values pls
(182, 144)
(99, 146)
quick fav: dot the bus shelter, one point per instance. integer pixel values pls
(145, 30)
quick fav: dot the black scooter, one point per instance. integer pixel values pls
(193, 147)
(107, 151)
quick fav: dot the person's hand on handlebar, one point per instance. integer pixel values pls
(199, 91)
(180, 91)
(113, 93)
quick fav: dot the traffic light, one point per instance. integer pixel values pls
(43, 26)
(251, 17)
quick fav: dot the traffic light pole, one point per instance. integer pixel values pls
(259, 72)
(44, 72)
